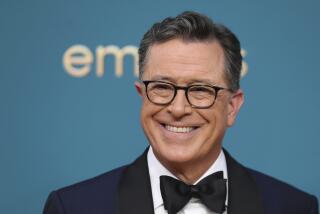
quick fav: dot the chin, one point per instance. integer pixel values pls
(176, 155)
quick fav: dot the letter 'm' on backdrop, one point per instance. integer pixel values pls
(69, 109)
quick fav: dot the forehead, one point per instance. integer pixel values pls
(184, 62)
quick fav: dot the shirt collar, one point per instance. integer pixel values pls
(156, 169)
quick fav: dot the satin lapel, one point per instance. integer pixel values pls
(243, 193)
(134, 190)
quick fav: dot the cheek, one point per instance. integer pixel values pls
(216, 123)
(145, 115)
(146, 107)
(148, 110)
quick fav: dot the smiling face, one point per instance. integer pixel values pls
(178, 133)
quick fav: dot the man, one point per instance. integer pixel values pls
(189, 85)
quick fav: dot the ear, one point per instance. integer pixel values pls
(234, 106)
(138, 86)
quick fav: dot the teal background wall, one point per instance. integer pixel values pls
(56, 129)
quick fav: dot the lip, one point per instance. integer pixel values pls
(178, 124)
(178, 136)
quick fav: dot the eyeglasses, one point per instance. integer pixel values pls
(198, 96)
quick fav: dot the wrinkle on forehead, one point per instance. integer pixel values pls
(192, 59)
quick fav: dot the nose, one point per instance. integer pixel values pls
(180, 106)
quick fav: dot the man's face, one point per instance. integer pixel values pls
(186, 63)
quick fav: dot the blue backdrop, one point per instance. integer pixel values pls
(57, 129)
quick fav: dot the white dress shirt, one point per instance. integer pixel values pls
(156, 169)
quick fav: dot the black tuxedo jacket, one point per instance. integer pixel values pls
(127, 190)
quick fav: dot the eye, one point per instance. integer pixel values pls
(160, 86)
(201, 92)
(160, 89)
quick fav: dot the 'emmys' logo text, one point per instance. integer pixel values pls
(78, 60)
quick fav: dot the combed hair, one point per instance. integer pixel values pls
(195, 27)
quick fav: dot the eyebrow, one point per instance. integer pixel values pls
(190, 81)
(165, 78)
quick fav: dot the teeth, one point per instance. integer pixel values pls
(179, 129)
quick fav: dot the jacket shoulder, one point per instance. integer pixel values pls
(278, 195)
(96, 195)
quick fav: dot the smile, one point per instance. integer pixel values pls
(185, 129)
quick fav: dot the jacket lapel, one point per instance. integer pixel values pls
(134, 190)
(243, 193)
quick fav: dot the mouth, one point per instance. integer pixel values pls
(179, 129)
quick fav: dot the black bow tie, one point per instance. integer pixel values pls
(211, 191)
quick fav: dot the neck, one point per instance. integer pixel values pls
(190, 172)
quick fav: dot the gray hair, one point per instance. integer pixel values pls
(195, 27)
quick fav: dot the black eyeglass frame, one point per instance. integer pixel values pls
(185, 89)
